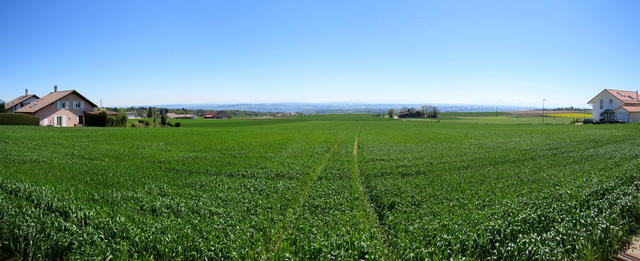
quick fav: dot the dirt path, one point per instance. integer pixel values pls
(364, 195)
(632, 253)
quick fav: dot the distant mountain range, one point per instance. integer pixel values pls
(324, 108)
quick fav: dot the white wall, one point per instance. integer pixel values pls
(622, 115)
(634, 117)
(605, 96)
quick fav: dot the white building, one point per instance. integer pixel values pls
(132, 115)
(616, 105)
(171, 115)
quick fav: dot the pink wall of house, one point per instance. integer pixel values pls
(48, 114)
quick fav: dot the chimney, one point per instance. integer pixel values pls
(26, 92)
(55, 88)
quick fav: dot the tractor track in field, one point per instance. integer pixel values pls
(374, 219)
(285, 226)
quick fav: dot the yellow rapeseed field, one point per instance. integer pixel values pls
(569, 115)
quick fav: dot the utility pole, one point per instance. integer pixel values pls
(543, 110)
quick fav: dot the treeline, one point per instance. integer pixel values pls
(155, 112)
(426, 111)
(570, 108)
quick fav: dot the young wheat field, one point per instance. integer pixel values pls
(321, 187)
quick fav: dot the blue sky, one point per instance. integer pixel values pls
(462, 52)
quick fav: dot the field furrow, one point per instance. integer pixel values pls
(334, 223)
(303, 193)
(374, 219)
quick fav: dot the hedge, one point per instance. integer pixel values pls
(18, 119)
(104, 120)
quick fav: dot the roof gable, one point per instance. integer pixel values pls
(623, 96)
(49, 99)
(629, 108)
(20, 99)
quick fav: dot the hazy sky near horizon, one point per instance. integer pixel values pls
(458, 52)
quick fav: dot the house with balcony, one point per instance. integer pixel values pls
(616, 105)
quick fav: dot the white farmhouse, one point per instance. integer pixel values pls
(616, 105)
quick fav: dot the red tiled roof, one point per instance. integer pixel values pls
(624, 96)
(20, 99)
(49, 99)
(630, 108)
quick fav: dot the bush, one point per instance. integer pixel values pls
(18, 119)
(95, 120)
(2, 108)
(163, 119)
(146, 123)
(103, 120)
(587, 121)
(177, 124)
(119, 120)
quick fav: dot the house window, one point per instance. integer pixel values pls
(63, 105)
(610, 101)
(78, 104)
(601, 104)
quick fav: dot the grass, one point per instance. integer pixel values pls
(460, 188)
(473, 114)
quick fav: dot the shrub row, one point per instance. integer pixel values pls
(146, 123)
(104, 120)
(18, 119)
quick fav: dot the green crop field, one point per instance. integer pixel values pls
(473, 114)
(321, 187)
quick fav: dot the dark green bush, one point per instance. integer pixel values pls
(163, 119)
(146, 123)
(119, 120)
(95, 120)
(18, 119)
(177, 124)
(103, 120)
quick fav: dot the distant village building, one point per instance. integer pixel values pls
(21, 101)
(133, 115)
(215, 115)
(59, 108)
(171, 115)
(616, 105)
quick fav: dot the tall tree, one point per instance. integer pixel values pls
(163, 119)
